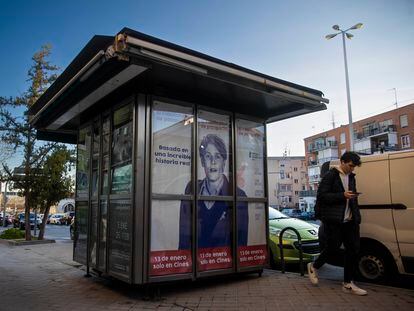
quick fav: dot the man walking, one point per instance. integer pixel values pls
(339, 212)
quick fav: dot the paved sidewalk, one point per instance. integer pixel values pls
(43, 277)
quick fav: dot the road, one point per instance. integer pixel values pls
(53, 232)
(57, 232)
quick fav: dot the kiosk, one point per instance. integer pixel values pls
(171, 178)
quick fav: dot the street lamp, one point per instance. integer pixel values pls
(348, 94)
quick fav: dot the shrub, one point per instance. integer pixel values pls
(12, 233)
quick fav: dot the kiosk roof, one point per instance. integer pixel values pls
(153, 66)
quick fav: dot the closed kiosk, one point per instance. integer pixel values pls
(171, 157)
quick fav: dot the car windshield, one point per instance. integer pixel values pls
(275, 214)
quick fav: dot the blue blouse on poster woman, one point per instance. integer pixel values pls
(214, 223)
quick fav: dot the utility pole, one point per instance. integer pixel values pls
(333, 120)
(395, 96)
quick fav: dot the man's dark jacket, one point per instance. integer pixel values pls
(331, 201)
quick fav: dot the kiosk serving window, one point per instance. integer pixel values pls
(251, 215)
(172, 128)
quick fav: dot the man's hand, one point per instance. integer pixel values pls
(350, 195)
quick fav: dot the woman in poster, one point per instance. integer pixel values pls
(214, 217)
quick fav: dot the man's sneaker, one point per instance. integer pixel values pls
(353, 289)
(313, 275)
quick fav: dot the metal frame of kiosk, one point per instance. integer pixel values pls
(121, 106)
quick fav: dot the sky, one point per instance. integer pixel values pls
(284, 39)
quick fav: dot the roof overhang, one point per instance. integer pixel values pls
(108, 63)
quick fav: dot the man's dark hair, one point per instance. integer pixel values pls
(214, 140)
(350, 156)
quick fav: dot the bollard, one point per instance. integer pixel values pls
(282, 259)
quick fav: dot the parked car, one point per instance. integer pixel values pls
(387, 209)
(306, 216)
(292, 212)
(8, 219)
(67, 219)
(308, 233)
(55, 219)
(20, 222)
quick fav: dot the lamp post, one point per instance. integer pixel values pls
(348, 93)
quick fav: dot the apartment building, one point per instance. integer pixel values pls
(388, 131)
(286, 178)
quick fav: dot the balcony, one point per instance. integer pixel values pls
(375, 130)
(377, 143)
(321, 146)
(314, 178)
(307, 193)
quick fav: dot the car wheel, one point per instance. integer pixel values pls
(374, 265)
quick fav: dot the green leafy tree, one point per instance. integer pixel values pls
(17, 133)
(55, 182)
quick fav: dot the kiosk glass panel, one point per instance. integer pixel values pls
(83, 163)
(251, 216)
(120, 237)
(81, 232)
(170, 237)
(105, 155)
(93, 235)
(250, 158)
(214, 235)
(214, 154)
(252, 246)
(122, 151)
(102, 234)
(172, 127)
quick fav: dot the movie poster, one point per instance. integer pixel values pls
(250, 160)
(172, 128)
(214, 179)
(252, 250)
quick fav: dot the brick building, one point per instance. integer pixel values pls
(388, 131)
(286, 178)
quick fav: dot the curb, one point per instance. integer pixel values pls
(24, 243)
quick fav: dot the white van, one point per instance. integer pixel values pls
(386, 182)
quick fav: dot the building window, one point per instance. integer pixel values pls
(405, 141)
(296, 192)
(404, 120)
(303, 188)
(342, 138)
(295, 169)
(296, 181)
(384, 124)
(285, 187)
